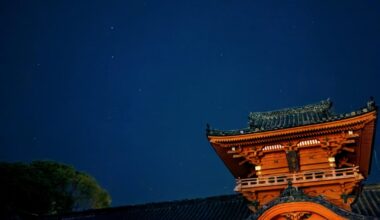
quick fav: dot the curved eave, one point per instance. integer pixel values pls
(238, 171)
(366, 122)
(289, 132)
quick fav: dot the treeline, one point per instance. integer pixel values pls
(47, 187)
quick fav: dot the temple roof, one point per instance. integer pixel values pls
(368, 202)
(217, 207)
(292, 117)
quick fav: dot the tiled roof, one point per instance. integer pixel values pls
(368, 203)
(291, 117)
(219, 207)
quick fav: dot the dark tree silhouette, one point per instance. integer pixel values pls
(48, 187)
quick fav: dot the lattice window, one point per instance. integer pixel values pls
(308, 143)
(273, 147)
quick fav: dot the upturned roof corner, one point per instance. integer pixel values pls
(292, 117)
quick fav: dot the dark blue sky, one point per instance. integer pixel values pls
(123, 89)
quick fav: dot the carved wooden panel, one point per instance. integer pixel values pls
(313, 159)
(274, 163)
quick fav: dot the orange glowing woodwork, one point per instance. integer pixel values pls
(320, 152)
(300, 210)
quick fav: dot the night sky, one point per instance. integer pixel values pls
(123, 90)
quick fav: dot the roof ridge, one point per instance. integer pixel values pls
(292, 117)
(372, 186)
(323, 106)
(162, 204)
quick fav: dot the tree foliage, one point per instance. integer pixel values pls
(48, 187)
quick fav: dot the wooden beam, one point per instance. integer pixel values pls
(243, 162)
(349, 142)
(348, 149)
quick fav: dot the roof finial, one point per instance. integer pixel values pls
(371, 103)
(208, 127)
(290, 184)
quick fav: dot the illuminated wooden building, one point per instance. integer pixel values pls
(300, 163)
(296, 163)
